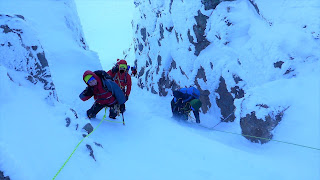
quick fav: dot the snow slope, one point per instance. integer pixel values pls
(150, 146)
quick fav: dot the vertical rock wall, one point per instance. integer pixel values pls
(230, 50)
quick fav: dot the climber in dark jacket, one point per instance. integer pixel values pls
(186, 100)
(106, 93)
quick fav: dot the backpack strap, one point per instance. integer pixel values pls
(125, 77)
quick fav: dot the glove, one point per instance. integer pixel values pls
(88, 92)
(115, 69)
(122, 108)
(127, 97)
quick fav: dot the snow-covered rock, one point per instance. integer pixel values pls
(43, 56)
(230, 50)
(2, 177)
(21, 50)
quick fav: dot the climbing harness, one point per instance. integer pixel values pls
(117, 77)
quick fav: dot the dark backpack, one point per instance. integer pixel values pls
(103, 75)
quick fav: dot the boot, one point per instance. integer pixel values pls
(112, 113)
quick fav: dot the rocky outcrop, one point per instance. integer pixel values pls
(165, 83)
(253, 127)
(91, 152)
(199, 29)
(156, 65)
(212, 4)
(88, 128)
(204, 94)
(2, 177)
(209, 44)
(225, 102)
(278, 64)
(20, 50)
(155, 69)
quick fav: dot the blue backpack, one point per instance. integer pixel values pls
(194, 92)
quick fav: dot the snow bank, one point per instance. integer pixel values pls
(42, 59)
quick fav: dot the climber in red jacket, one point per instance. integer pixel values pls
(106, 93)
(120, 75)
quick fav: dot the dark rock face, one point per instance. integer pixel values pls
(153, 90)
(140, 46)
(199, 29)
(141, 84)
(177, 36)
(161, 32)
(6, 29)
(290, 72)
(238, 92)
(173, 65)
(159, 59)
(225, 102)
(141, 72)
(255, 6)
(91, 151)
(236, 78)
(252, 126)
(165, 83)
(169, 29)
(2, 177)
(201, 74)
(68, 122)
(143, 32)
(98, 144)
(74, 112)
(146, 78)
(27, 56)
(88, 127)
(212, 4)
(170, 5)
(204, 94)
(19, 16)
(149, 60)
(152, 65)
(278, 64)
